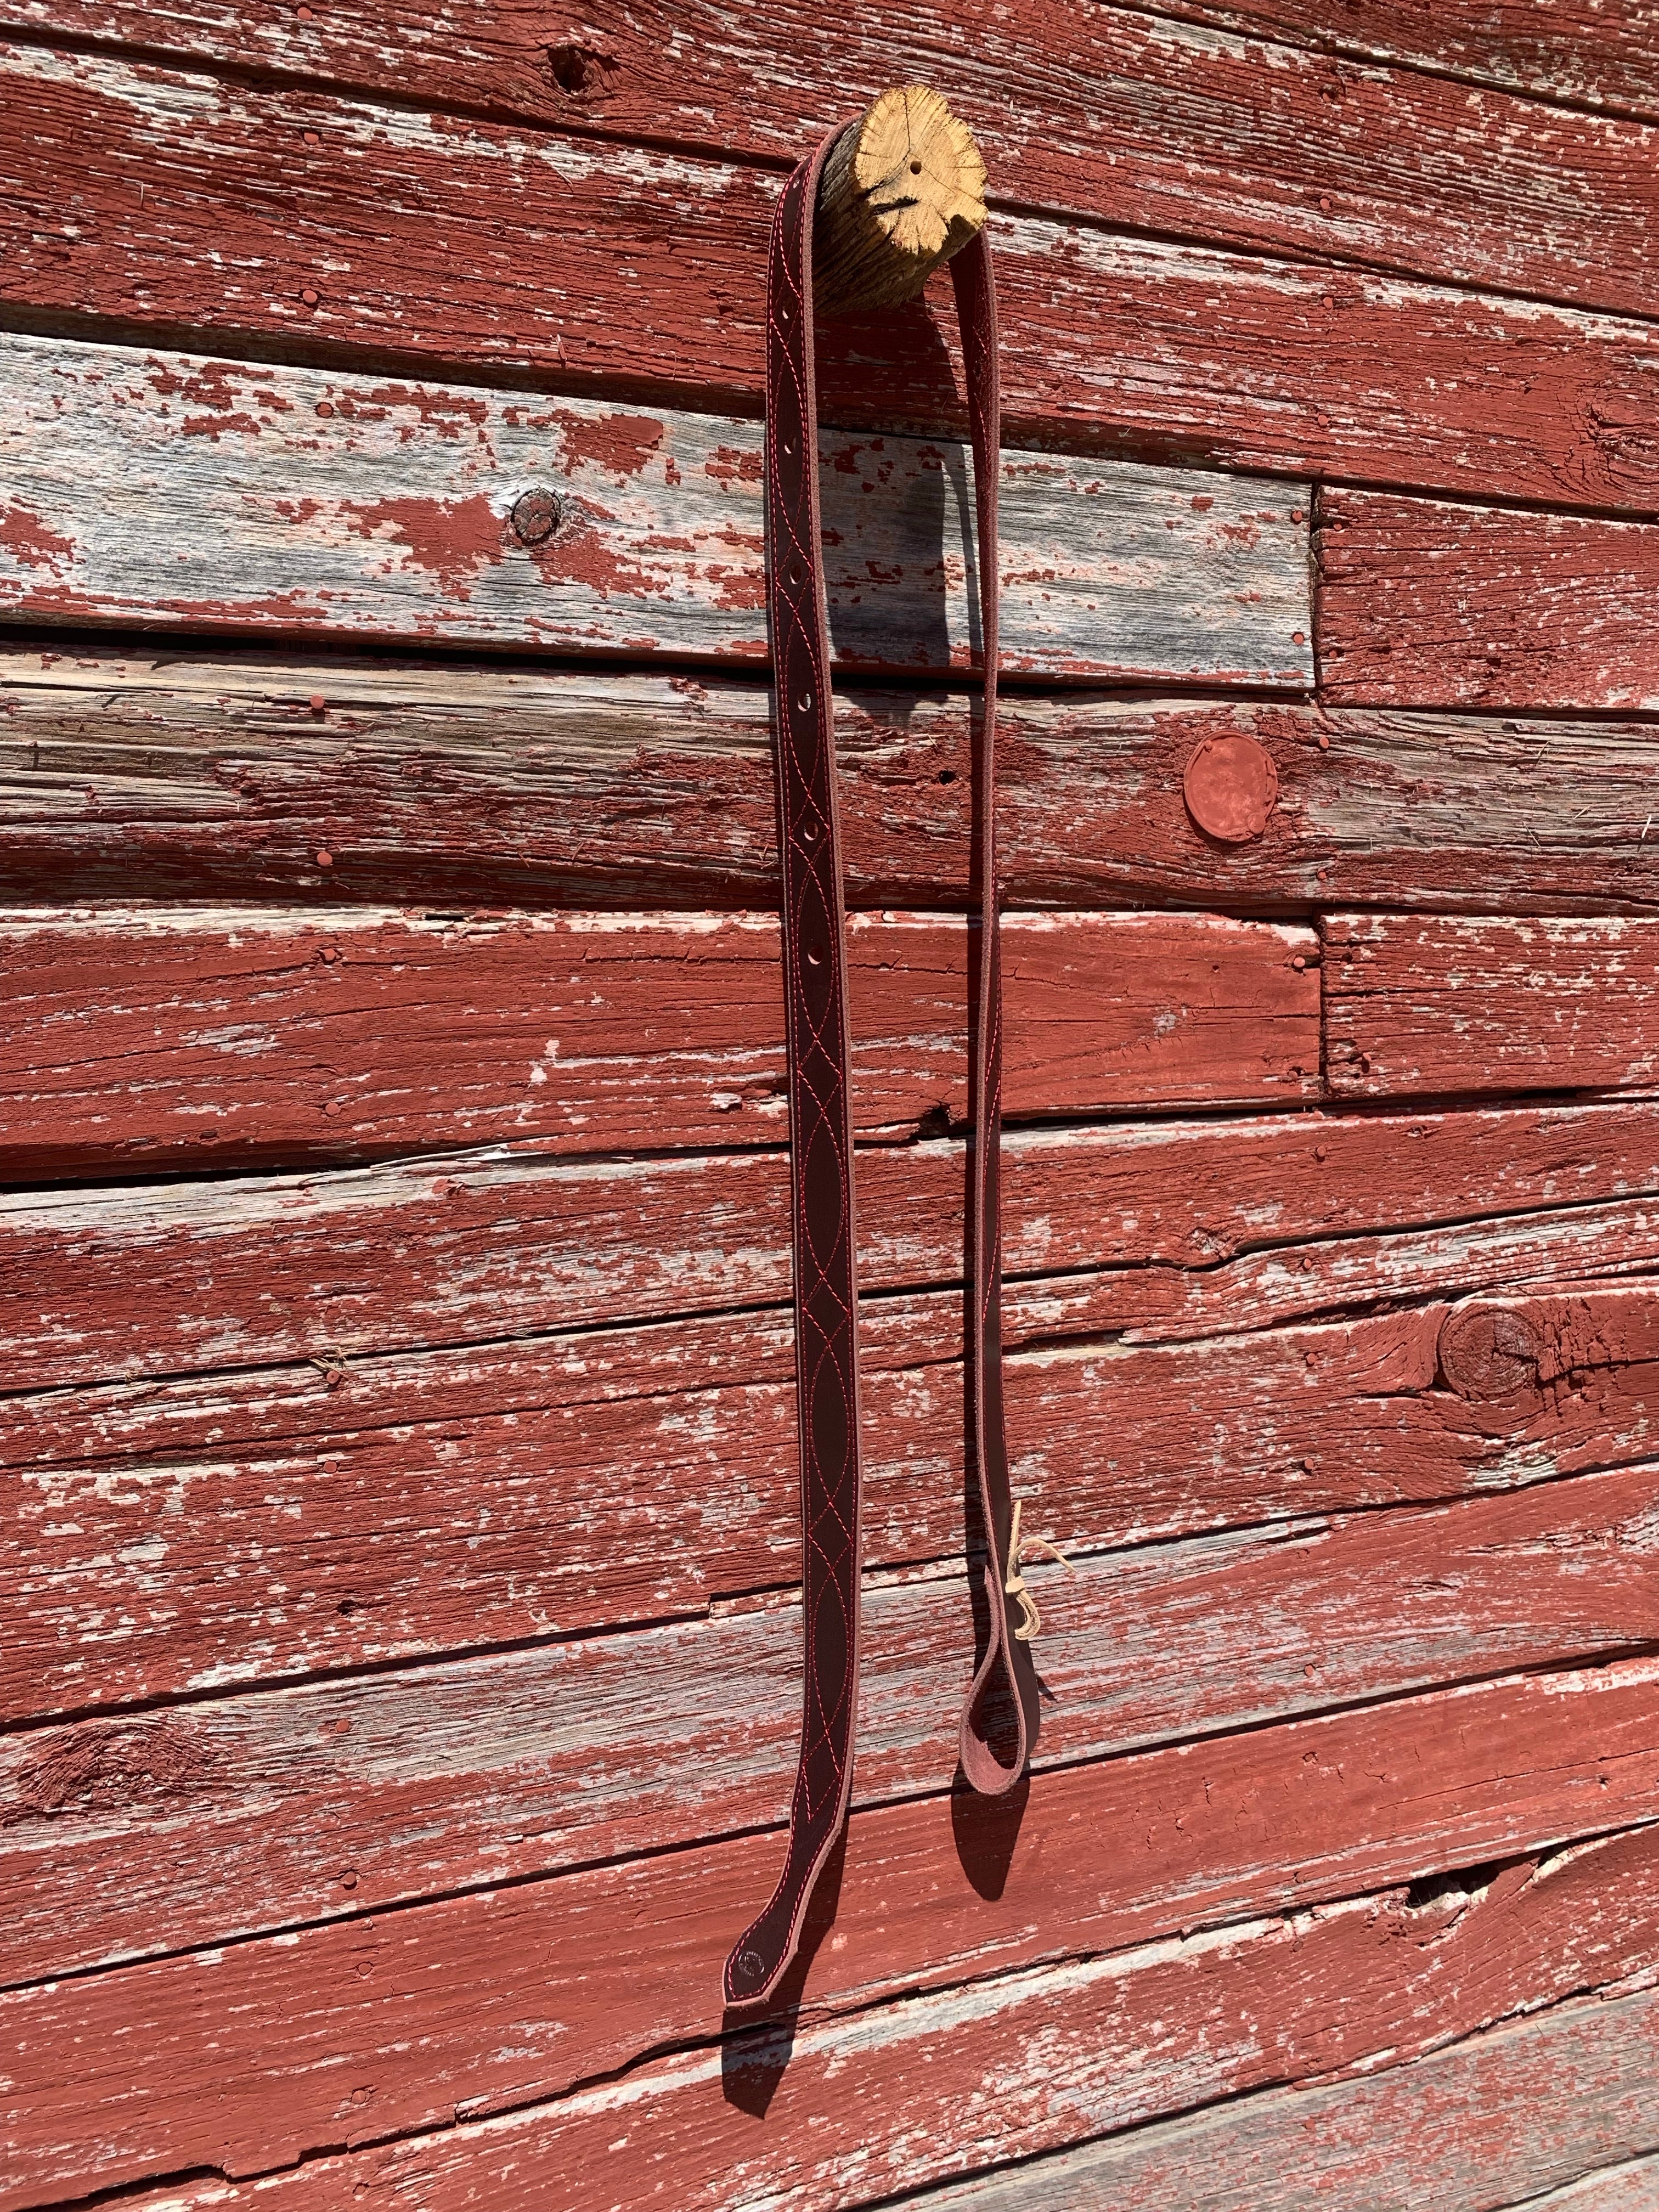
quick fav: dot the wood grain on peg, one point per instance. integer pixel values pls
(903, 190)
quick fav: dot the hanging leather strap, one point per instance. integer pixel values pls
(1002, 1697)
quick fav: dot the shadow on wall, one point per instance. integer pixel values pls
(884, 558)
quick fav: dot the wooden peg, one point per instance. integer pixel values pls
(903, 190)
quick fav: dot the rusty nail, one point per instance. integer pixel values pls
(317, 703)
(325, 860)
(536, 516)
(310, 297)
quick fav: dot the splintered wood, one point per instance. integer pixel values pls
(401, 1559)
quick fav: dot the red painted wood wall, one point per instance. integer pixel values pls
(398, 1622)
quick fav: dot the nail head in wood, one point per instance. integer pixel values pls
(903, 190)
(536, 516)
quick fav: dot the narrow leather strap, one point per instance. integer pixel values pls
(821, 1136)
(1001, 1704)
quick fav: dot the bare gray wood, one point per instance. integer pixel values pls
(168, 488)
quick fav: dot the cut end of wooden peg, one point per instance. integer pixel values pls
(903, 190)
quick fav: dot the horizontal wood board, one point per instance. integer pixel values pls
(640, 271)
(1496, 1005)
(863, 2104)
(1125, 117)
(1574, 52)
(165, 487)
(186, 1035)
(1424, 604)
(221, 776)
(159, 1036)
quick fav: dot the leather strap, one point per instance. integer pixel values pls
(1002, 1697)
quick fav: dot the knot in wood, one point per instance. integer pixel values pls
(536, 516)
(1230, 788)
(1489, 1352)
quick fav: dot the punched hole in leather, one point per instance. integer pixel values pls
(1000, 1708)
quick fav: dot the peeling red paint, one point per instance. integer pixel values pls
(34, 543)
(214, 426)
(729, 464)
(452, 539)
(740, 590)
(432, 408)
(621, 445)
(583, 552)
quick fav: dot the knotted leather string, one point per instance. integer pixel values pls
(820, 1122)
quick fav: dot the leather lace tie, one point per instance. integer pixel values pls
(820, 1122)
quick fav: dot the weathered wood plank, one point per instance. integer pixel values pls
(1516, 2110)
(155, 1037)
(269, 1524)
(297, 1803)
(844, 2111)
(1629, 2188)
(1123, 117)
(643, 269)
(171, 489)
(1415, 1003)
(1424, 604)
(215, 776)
(246, 2042)
(1190, 1230)
(1573, 50)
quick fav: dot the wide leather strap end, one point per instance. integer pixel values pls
(820, 1113)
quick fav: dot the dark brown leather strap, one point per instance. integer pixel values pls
(821, 1135)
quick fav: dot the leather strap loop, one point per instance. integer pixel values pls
(821, 1135)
